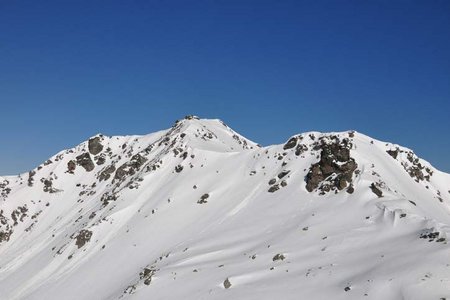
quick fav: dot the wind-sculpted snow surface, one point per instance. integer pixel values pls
(200, 212)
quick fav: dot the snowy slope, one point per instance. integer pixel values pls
(200, 212)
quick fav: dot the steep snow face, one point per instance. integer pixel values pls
(200, 212)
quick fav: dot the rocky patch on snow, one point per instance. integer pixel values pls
(83, 237)
(335, 169)
(4, 189)
(85, 161)
(128, 193)
(130, 167)
(95, 146)
(411, 163)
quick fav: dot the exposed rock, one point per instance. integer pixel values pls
(279, 256)
(290, 144)
(4, 189)
(108, 197)
(334, 160)
(300, 149)
(130, 168)
(85, 161)
(415, 171)
(350, 189)
(272, 181)
(94, 145)
(5, 235)
(376, 190)
(412, 165)
(227, 283)
(48, 186)
(203, 199)
(191, 117)
(19, 214)
(274, 188)
(30, 177)
(178, 168)
(131, 289)
(283, 173)
(393, 153)
(314, 178)
(431, 235)
(146, 275)
(71, 165)
(184, 155)
(100, 160)
(83, 237)
(106, 173)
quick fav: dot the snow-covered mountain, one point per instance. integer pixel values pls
(200, 212)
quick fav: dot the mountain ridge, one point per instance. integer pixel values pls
(91, 209)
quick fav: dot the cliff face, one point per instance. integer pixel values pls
(200, 212)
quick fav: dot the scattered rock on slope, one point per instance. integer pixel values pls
(130, 168)
(411, 164)
(146, 275)
(294, 142)
(279, 256)
(106, 173)
(30, 177)
(203, 199)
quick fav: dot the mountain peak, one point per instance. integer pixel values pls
(197, 210)
(210, 134)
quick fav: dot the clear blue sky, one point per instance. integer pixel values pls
(269, 69)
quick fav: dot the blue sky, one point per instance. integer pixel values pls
(269, 69)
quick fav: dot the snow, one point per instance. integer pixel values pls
(338, 245)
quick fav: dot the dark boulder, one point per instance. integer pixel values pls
(94, 145)
(85, 161)
(283, 173)
(290, 144)
(178, 168)
(279, 256)
(203, 199)
(376, 190)
(314, 177)
(83, 237)
(71, 165)
(227, 283)
(393, 153)
(274, 188)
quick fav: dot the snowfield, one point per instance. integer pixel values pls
(200, 212)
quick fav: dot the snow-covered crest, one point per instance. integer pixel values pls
(197, 211)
